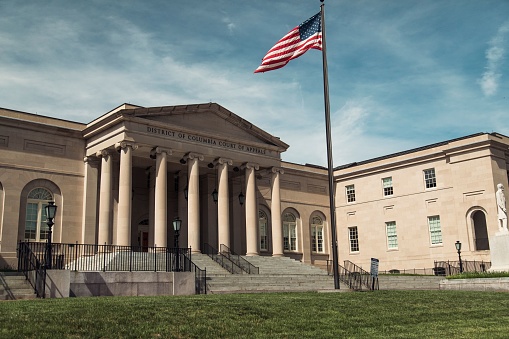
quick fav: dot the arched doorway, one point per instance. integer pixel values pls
(143, 235)
(480, 231)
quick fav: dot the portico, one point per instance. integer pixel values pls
(154, 164)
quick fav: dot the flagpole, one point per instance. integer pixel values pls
(329, 153)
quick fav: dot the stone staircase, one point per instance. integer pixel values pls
(14, 286)
(276, 275)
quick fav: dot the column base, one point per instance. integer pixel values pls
(278, 255)
(252, 254)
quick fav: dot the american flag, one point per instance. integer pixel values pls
(308, 35)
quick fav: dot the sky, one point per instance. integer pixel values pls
(402, 73)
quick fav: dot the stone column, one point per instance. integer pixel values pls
(223, 202)
(161, 198)
(90, 196)
(251, 210)
(105, 208)
(193, 202)
(125, 188)
(275, 208)
(151, 204)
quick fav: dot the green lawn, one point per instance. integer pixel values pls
(381, 314)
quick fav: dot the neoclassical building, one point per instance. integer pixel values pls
(122, 178)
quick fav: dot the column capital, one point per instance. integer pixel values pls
(250, 165)
(192, 155)
(102, 153)
(159, 150)
(222, 161)
(126, 143)
(90, 160)
(277, 170)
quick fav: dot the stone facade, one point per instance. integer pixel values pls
(122, 178)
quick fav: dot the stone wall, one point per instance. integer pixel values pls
(63, 283)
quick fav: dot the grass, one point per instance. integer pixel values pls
(381, 314)
(474, 275)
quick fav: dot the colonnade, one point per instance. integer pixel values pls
(160, 203)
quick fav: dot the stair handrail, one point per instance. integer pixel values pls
(32, 268)
(221, 259)
(357, 276)
(241, 262)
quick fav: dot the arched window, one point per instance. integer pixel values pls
(317, 234)
(481, 231)
(289, 232)
(36, 228)
(263, 224)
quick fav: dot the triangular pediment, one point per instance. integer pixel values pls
(208, 120)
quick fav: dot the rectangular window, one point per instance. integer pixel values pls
(387, 186)
(435, 230)
(353, 236)
(317, 238)
(290, 237)
(430, 178)
(263, 235)
(350, 193)
(392, 236)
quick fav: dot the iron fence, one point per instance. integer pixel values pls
(445, 268)
(85, 257)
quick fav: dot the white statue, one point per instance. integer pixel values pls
(502, 210)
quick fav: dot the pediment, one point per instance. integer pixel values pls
(210, 120)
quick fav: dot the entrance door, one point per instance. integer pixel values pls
(481, 231)
(144, 241)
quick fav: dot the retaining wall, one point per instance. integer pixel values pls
(64, 283)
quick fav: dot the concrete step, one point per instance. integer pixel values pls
(14, 286)
(203, 261)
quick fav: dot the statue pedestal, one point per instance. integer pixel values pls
(499, 251)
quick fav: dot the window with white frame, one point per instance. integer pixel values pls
(387, 186)
(263, 223)
(350, 193)
(353, 236)
(36, 228)
(317, 234)
(435, 230)
(289, 232)
(430, 179)
(392, 236)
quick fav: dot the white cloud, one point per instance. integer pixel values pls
(229, 24)
(494, 56)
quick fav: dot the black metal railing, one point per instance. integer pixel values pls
(237, 259)
(445, 268)
(357, 277)
(33, 269)
(200, 276)
(86, 257)
(222, 259)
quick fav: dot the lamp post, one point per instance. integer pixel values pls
(51, 210)
(176, 227)
(458, 248)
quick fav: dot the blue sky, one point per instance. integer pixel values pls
(402, 73)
